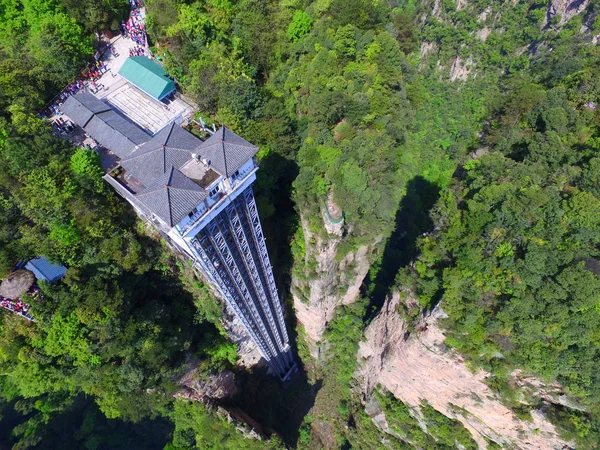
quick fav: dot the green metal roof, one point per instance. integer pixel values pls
(147, 75)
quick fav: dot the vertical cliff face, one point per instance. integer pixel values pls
(418, 367)
(327, 280)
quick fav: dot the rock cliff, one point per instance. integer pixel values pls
(330, 282)
(209, 388)
(564, 9)
(419, 366)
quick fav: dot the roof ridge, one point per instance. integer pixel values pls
(169, 211)
(200, 188)
(169, 134)
(141, 147)
(134, 155)
(139, 194)
(224, 152)
(170, 178)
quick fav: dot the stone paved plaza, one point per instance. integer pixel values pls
(146, 111)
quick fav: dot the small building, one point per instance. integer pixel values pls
(102, 123)
(45, 270)
(148, 76)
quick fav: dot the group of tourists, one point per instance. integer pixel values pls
(135, 28)
(94, 86)
(88, 78)
(63, 126)
(137, 51)
(94, 70)
(16, 306)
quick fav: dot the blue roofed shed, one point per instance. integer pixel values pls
(147, 75)
(45, 270)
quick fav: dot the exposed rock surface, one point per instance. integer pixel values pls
(484, 33)
(436, 9)
(316, 298)
(566, 9)
(484, 14)
(420, 367)
(461, 69)
(245, 424)
(427, 47)
(208, 388)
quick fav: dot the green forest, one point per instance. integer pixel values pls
(470, 165)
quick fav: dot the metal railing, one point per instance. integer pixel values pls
(193, 223)
(331, 219)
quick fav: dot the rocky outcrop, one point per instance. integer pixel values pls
(461, 69)
(207, 388)
(419, 366)
(327, 283)
(565, 9)
(245, 424)
(483, 34)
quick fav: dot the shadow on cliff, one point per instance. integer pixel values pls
(412, 220)
(278, 409)
(273, 190)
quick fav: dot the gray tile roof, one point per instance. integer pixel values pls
(157, 164)
(105, 125)
(226, 151)
(172, 146)
(172, 197)
(81, 108)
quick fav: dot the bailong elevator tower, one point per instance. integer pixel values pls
(198, 194)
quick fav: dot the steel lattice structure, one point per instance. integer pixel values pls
(233, 254)
(198, 194)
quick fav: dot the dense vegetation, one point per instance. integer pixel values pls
(514, 259)
(351, 99)
(516, 254)
(111, 339)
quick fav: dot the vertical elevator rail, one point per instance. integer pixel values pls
(244, 250)
(252, 212)
(216, 230)
(239, 309)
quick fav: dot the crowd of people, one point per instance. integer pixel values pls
(63, 126)
(16, 306)
(87, 79)
(137, 51)
(135, 28)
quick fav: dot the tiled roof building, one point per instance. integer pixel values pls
(105, 125)
(172, 196)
